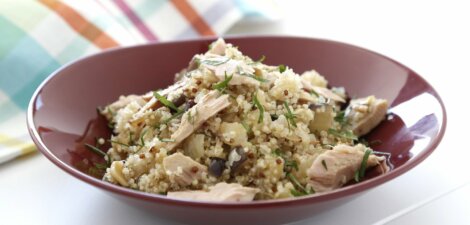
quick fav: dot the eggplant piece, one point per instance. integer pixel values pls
(236, 158)
(217, 166)
(190, 103)
(179, 101)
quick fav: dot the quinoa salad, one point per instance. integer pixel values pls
(233, 129)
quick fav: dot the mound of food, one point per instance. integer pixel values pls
(234, 129)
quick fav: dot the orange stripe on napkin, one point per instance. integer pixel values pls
(193, 17)
(80, 24)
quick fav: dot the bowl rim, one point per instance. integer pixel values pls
(304, 200)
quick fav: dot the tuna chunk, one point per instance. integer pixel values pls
(183, 169)
(208, 106)
(240, 71)
(221, 192)
(218, 47)
(325, 92)
(153, 103)
(366, 113)
(305, 96)
(334, 168)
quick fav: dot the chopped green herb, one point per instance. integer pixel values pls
(100, 166)
(119, 143)
(259, 106)
(260, 79)
(221, 86)
(296, 193)
(130, 138)
(109, 111)
(324, 164)
(311, 191)
(343, 134)
(96, 150)
(301, 189)
(291, 164)
(247, 128)
(166, 140)
(341, 118)
(174, 116)
(215, 61)
(95, 172)
(290, 116)
(243, 73)
(362, 170)
(260, 60)
(210, 46)
(190, 118)
(288, 164)
(314, 93)
(165, 101)
(142, 142)
(99, 152)
(281, 68)
(294, 180)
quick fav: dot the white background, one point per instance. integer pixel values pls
(431, 37)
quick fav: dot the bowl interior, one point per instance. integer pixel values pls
(63, 117)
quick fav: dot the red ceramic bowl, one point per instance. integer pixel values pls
(62, 116)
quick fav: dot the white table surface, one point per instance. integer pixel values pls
(431, 37)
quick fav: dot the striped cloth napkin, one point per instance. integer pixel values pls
(36, 37)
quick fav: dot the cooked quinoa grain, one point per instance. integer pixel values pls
(234, 129)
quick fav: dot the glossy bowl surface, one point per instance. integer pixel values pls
(62, 116)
